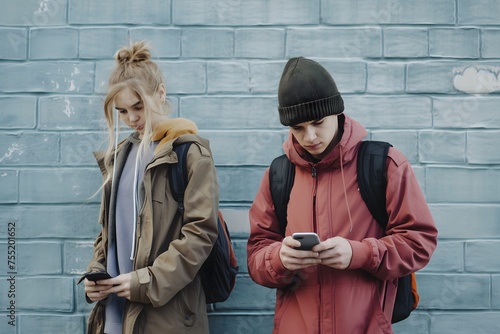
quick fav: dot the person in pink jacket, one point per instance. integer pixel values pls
(347, 283)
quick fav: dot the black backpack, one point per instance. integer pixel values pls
(372, 182)
(218, 272)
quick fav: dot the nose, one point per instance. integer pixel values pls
(133, 116)
(309, 134)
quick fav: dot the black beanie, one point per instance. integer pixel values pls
(307, 92)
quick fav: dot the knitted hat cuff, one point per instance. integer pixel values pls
(310, 111)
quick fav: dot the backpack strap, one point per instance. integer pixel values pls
(281, 177)
(178, 174)
(372, 178)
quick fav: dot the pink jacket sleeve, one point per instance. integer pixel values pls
(264, 263)
(411, 234)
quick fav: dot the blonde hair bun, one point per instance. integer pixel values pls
(135, 53)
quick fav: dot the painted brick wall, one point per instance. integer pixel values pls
(423, 75)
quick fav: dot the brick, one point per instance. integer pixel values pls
(239, 12)
(82, 306)
(228, 77)
(47, 77)
(45, 294)
(482, 256)
(484, 12)
(482, 147)
(259, 43)
(77, 148)
(147, 12)
(71, 113)
(388, 12)
(252, 148)
(265, 76)
(102, 70)
(466, 322)
(391, 112)
(442, 147)
(349, 76)
(454, 221)
(342, 42)
(495, 296)
(385, 78)
(237, 222)
(192, 81)
(49, 222)
(447, 258)
(207, 43)
(100, 43)
(454, 292)
(9, 185)
(34, 323)
(416, 323)
(62, 185)
(29, 149)
(34, 13)
(406, 42)
(77, 255)
(14, 43)
(406, 142)
(18, 112)
(454, 43)
(220, 112)
(240, 250)
(263, 298)
(229, 323)
(448, 184)
(490, 46)
(480, 79)
(39, 258)
(53, 43)
(164, 42)
(239, 184)
(468, 112)
(429, 77)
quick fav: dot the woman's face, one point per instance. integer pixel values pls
(316, 136)
(131, 108)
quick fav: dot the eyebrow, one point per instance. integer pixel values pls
(134, 105)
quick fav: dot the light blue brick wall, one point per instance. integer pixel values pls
(423, 75)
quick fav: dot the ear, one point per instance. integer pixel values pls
(162, 92)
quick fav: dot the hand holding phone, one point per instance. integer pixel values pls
(307, 240)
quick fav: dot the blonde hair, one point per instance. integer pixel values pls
(134, 70)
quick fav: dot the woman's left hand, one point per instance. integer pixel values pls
(121, 285)
(335, 252)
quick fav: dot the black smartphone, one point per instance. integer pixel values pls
(97, 276)
(307, 240)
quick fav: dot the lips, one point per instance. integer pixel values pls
(139, 127)
(313, 147)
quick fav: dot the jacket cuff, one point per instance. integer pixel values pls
(275, 264)
(361, 255)
(139, 282)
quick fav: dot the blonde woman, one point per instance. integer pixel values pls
(151, 251)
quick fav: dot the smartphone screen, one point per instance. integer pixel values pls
(97, 276)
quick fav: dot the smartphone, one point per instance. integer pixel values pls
(307, 240)
(97, 276)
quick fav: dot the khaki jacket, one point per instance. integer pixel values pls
(166, 292)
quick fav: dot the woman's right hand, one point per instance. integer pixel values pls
(96, 292)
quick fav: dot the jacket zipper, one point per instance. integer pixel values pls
(314, 174)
